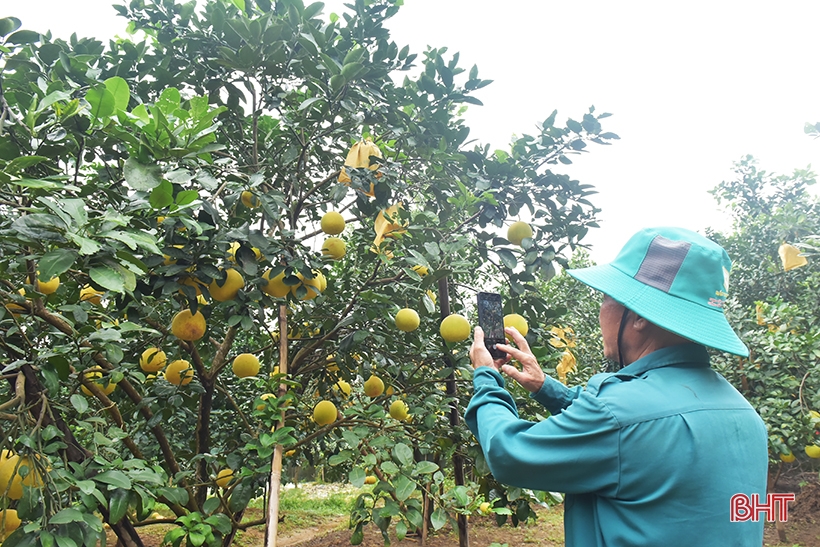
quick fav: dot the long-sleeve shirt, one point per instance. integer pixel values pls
(647, 456)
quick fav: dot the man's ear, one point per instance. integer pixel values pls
(639, 323)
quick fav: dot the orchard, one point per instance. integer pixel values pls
(251, 232)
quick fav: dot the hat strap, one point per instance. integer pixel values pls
(620, 334)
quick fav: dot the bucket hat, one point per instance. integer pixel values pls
(674, 278)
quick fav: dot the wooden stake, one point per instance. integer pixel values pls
(276, 465)
(458, 461)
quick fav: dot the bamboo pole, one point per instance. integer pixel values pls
(458, 460)
(276, 463)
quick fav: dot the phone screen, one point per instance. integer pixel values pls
(491, 316)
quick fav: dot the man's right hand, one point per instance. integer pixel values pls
(531, 377)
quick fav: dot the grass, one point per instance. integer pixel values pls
(309, 505)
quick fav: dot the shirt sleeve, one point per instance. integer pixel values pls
(555, 396)
(576, 451)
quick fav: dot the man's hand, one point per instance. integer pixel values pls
(480, 355)
(531, 377)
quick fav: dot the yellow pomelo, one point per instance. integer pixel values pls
(187, 326)
(399, 410)
(90, 294)
(249, 200)
(245, 364)
(407, 320)
(9, 522)
(106, 386)
(374, 386)
(11, 483)
(421, 270)
(343, 386)
(235, 247)
(813, 451)
(787, 458)
(518, 232)
(48, 287)
(227, 291)
(191, 282)
(334, 247)
(17, 309)
(484, 508)
(153, 360)
(324, 413)
(11, 477)
(332, 223)
(455, 328)
(224, 477)
(264, 397)
(167, 259)
(276, 286)
(314, 286)
(370, 479)
(515, 320)
(179, 372)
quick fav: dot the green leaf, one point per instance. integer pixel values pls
(389, 467)
(64, 541)
(67, 515)
(438, 519)
(22, 163)
(141, 177)
(86, 487)
(117, 505)
(77, 208)
(79, 403)
(169, 100)
(162, 195)
(56, 262)
(403, 454)
(102, 101)
(87, 246)
(221, 522)
(404, 487)
(174, 495)
(357, 476)
(351, 70)
(114, 478)
(108, 278)
(9, 25)
(119, 90)
(401, 530)
(507, 258)
(186, 196)
(23, 37)
(424, 467)
(241, 496)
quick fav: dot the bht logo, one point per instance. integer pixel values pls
(743, 508)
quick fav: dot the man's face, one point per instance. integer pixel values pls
(610, 320)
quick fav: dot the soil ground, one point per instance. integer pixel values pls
(801, 530)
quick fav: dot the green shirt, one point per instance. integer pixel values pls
(650, 455)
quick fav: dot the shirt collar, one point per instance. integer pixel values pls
(691, 353)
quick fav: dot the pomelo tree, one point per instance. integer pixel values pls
(774, 307)
(175, 182)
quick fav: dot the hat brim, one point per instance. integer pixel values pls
(702, 324)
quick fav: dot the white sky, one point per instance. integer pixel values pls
(693, 86)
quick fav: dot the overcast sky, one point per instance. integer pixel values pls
(693, 86)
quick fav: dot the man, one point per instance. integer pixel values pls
(652, 454)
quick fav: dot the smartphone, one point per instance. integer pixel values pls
(491, 321)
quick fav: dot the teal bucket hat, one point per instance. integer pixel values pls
(674, 278)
